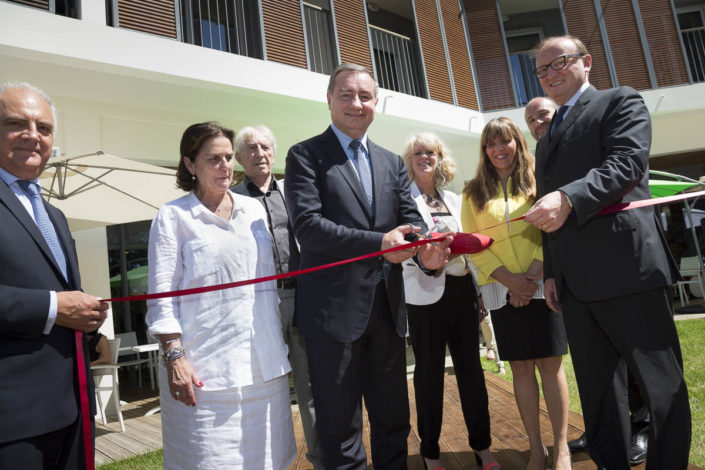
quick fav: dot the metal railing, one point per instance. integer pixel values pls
(694, 43)
(397, 62)
(526, 84)
(318, 28)
(227, 25)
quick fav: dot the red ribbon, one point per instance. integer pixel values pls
(199, 290)
(86, 427)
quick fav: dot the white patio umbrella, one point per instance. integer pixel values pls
(99, 189)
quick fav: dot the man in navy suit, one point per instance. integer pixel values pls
(610, 275)
(346, 197)
(41, 305)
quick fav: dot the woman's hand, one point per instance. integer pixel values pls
(182, 379)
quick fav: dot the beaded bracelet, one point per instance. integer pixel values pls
(173, 354)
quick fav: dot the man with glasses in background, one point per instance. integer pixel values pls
(610, 275)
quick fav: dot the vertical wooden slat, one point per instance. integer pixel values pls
(353, 40)
(433, 52)
(625, 43)
(664, 43)
(283, 32)
(148, 16)
(582, 23)
(493, 75)
(461, 66)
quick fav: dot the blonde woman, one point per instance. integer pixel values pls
(443, 310)
(529, 335)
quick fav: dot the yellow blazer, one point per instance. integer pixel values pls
(515, 245)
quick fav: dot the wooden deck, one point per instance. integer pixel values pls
(509, 441)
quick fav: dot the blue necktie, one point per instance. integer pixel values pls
(363, 171)
(45, 226)
(560, 114)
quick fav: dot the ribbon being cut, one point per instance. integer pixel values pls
(463, 243)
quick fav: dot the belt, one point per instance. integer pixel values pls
(286, 283)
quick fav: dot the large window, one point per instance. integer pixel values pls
(127, 256)
(519, 46)
(226, 25)
(691, 22)
(318, 26)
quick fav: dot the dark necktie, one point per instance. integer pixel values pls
(45, 226)
(363, 171)
(558, 119)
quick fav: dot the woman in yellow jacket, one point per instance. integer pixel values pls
(529, 334)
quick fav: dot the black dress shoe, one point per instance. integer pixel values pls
(578, 445)
(637, 452)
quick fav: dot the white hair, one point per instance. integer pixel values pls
(6, 86)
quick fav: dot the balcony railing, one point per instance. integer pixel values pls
(526, 84)
(694, 43)
(226, 25)
(397, 62)
(319, 38)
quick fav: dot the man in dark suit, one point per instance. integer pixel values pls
(41, 307)
(611, 274)
(348, 197)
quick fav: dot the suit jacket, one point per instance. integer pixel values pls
(599, 156)
(39, 387)
(420, 288)
(331, 220)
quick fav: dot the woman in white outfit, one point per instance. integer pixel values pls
(443, 310)
(224, 391)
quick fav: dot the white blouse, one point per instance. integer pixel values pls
(223, 331)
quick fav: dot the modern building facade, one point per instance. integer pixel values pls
(128, 76)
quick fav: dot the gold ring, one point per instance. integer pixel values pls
(543, 227)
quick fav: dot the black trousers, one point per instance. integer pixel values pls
(374, 368)
(635, 331)
(452, 321)
(57, 450)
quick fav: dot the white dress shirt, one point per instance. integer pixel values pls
(223, 331)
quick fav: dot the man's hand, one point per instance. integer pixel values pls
(551, 295)
(395, 238)
(80, 311)
(435, 256)
(550, 212)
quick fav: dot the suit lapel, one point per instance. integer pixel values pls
(575, 112)
(335, 152)
(377, 162)
(8, 198)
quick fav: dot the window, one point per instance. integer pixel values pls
(691, 22)
(318, 27)
(70, 8)
(226, 25)
(520, 43)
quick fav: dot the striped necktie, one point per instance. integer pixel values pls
(44, 223)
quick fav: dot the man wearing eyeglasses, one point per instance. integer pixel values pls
(610, 275)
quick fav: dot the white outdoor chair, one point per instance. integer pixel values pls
(127, 340)
(691, 273)
(100, 371)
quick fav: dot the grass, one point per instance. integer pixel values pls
(692, 338)
(150, 461)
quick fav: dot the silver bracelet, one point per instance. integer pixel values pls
(173, 354)
(169, 341)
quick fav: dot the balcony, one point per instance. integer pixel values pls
(694, 44)
(318, 28)
(397, 62)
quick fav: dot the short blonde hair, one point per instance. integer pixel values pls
(445, 167)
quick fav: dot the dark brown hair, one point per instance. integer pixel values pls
(485, 185)
(195, 136)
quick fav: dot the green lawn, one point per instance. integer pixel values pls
(692, 337)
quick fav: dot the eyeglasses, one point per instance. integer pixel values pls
(559, 63)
